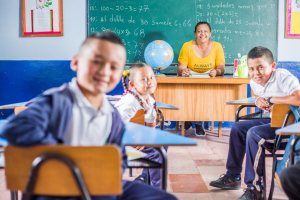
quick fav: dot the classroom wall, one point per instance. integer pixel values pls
(28, 66)
(15, 47)
(288, 49)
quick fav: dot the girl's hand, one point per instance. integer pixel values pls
(152, 125)
(140, 148)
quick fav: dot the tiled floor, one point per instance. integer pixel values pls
(191, 169)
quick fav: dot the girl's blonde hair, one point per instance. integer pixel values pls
(129, 75)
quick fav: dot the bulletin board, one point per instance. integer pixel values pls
(292, 19)
(42, 18)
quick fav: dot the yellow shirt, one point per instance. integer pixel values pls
(188, 57)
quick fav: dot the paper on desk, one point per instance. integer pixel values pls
(195, 74)
(133, 154)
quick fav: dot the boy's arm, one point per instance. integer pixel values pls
(29, 126)
(293, 99)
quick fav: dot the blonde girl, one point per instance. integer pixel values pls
(139, 95)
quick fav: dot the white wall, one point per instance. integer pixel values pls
(14, 47)
(288, 49)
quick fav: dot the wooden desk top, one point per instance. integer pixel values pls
(293, 129)
(12, 106)
(248, 102)
(136, 134)
(165, 106)
(206, 80)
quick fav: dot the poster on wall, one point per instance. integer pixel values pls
(42, 18)
(292, 19)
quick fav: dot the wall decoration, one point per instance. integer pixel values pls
(42, 18)
(292, 19)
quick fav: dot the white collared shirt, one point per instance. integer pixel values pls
(128, 106)
(88, 125)
(281, 83)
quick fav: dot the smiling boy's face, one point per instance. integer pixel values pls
(99, 66)
(260, 70)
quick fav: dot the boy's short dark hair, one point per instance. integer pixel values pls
(108, 36)
(258, 52)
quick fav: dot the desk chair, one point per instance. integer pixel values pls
(281, 117)
(17, 110)
(139, 118)
(58, 170)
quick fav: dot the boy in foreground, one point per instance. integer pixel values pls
(79, 114)
(270, 86)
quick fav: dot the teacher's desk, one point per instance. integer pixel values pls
(201, 99)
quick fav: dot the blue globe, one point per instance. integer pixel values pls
(158, 54)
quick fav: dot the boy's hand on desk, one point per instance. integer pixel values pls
(185, 72)
(140, 148)
(268, 109)
(262, 104)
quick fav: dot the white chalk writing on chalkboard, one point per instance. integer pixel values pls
(140, 22)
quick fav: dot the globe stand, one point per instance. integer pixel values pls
(157, 73)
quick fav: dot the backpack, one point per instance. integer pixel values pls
(282, 164)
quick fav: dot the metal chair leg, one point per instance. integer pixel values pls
(130, 172)
(264, 180)
(14, 195)
(163, 153)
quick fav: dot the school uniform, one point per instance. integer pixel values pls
(64, 116)
(252, 136)
(128, 106)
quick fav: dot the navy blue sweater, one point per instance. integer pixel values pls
(47, 119)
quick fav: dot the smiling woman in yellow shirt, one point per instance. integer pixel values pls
(201, 55)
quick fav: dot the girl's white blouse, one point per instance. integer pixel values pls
(128, 106)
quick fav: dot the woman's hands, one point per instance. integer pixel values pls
(185, 72)
(219, 71)
(212, 73)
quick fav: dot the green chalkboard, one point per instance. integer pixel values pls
(238, 25)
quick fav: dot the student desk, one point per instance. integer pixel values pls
(158, 104)
(138, 135)
(247, 102)
(293, 129)
(200, 99)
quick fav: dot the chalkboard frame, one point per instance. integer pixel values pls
(173, 64)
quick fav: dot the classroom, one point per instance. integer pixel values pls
(31, 65)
